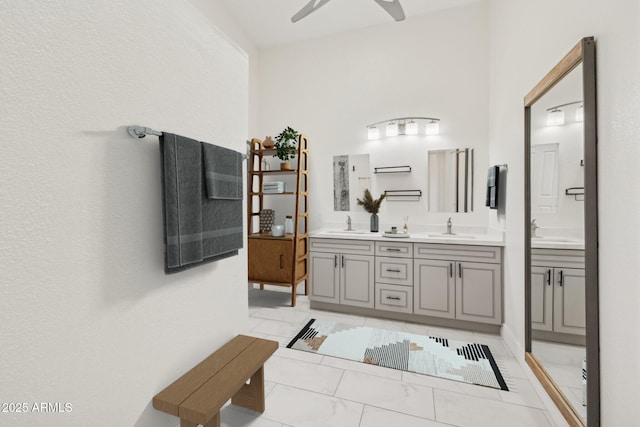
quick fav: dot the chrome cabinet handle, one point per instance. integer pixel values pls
(561, 278)
(342, 261)
(335, 261)
(450, 269)
(393, 250)
(460, 271)
(549, 277)
(394, 298)
(393, 271)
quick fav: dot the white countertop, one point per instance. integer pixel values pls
(556, 243)
(418, 237)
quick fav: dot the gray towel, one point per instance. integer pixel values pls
(182, 184)
(198, 230)
(223, 172)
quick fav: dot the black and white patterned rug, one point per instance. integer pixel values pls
(435, 356)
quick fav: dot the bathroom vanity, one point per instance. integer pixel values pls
(453, 281)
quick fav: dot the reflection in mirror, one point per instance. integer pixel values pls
(351, 175)
(561, 278)
(557, 275)
(451, 180)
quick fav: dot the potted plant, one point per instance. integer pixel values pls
(372, 206)
(286, 146)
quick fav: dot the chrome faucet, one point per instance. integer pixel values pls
(534, 227)
(349, 224)
(449, 225)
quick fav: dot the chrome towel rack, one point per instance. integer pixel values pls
(141, 132)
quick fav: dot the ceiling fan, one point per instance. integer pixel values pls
(392, 7)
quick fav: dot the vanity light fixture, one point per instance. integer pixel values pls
(555, 116)
(404, 126)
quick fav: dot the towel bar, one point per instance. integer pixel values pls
(141, 132)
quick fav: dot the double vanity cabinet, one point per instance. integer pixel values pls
(408, 279)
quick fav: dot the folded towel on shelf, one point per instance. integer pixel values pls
(273, 187)
(197, 229)
(182, 199)
(223, 172)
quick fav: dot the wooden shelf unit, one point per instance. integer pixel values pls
(280, 261)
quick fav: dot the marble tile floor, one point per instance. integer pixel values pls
(305, 389)
(564, 363)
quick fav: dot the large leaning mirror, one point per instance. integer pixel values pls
(561, 233)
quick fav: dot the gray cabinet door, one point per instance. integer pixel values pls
(478, 292)
(434, 288)
(542, 298)
(569, 301)
(324, 277)
(357, 280)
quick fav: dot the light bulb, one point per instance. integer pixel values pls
(392, 129)
(555, 117)
(411, 128)
(373, 133)
(433, 128)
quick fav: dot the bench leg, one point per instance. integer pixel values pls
(214, 422)
(251, 396)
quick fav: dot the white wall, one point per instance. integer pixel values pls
(436, 65)
(218, 13)
(527, 39)
(87, 315)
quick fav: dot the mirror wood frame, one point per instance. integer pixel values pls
(582, 53)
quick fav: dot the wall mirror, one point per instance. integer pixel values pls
(561, 232)
(451, 180)
(351, 175)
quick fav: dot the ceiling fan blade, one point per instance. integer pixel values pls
(393, 8)
(308, 8)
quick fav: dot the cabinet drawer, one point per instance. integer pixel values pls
(488, 254)
(394, 298)
(396, 271)
(342, 246)
(394, 249)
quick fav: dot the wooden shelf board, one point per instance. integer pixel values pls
(260, 193)
(275, 172)
(270, 237)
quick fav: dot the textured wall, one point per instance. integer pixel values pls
(87, 316)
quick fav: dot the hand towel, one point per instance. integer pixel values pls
(223, 172)
(493, 181)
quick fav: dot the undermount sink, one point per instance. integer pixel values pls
(348, 231)
(451, 236)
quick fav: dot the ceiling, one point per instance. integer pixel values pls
(268, 22)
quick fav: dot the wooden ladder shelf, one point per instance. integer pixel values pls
(280, 261)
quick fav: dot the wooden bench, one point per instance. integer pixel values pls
(197, 396)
